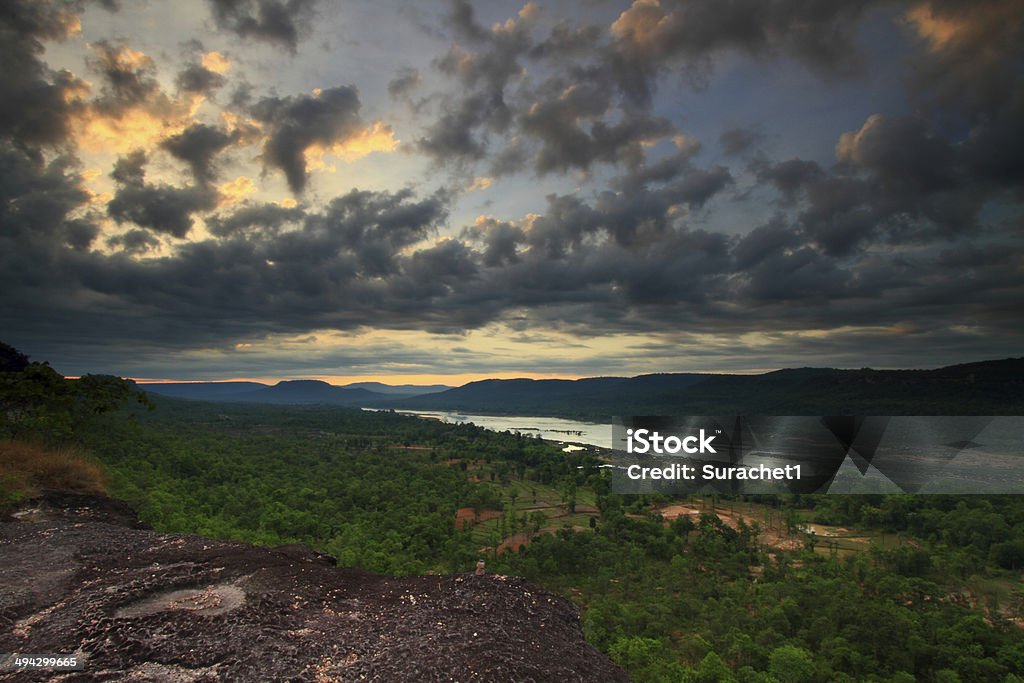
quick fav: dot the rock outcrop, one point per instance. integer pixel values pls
(78, 574)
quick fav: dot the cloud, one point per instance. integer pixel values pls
(568, 119)
(279, 22)
(131, 110)
(566, 144)
(197, 146)
(36, 102)
(159, 207)
(264, 220)
(325, 121)
(135, 241)
(972, 54)
(650, 37)
(618, 263)
(737, 141)
(500, 240)
(204, 76)
(451, 139)
(898, 180)
(40, 201)
(129, 77)
(790, 177)
(405, 80)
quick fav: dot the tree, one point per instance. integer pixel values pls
(645, 659)
(682, 526)
(712, 670)
(791, 664)
(11, 359)
(37, 400)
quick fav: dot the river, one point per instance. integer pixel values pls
(550, 428)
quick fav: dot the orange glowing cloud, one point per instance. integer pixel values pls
(986, 29)
(378, 137)
(139, 123)
(136, 128)
(216, 62)
(938, 30)
(236, 190)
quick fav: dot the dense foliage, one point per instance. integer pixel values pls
(377, 490)
(38, 402)
(673, 603)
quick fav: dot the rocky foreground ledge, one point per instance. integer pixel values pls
(79, 574)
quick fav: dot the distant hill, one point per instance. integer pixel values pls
(204, 391)
(294, 392)
(989, 387)
(985, 388)
(290, 392)
(398, 390)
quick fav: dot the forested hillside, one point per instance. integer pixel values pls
(986, 388)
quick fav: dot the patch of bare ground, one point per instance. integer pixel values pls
(467, 517)
(774, 538)
(514, 543)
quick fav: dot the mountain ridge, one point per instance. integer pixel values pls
(982, 387)
(286, 392)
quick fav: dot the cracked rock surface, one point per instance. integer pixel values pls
(78, 574)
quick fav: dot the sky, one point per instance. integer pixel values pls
(445, 191)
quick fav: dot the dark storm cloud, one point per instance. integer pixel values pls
(500, 240)
(581, 95)
(799, 275)
(650, 37)
(342, 267)
(647, 197)
(480, 107)
(195, 78)
(135, 241)
(789, 177)
(38, 198)
(899, 181)
(280, 22)
(972, 52)
(129, 78)
(566, 144)
(737, 141)
(764, 241)
(197, 146)
(512, 159)
(266, 219)
(39, 233)
(35, 101)
(294, 124)
(161, 207)
(451, 138)
(463, 20)
(620, 262)
(571, 119)
(405, 80)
